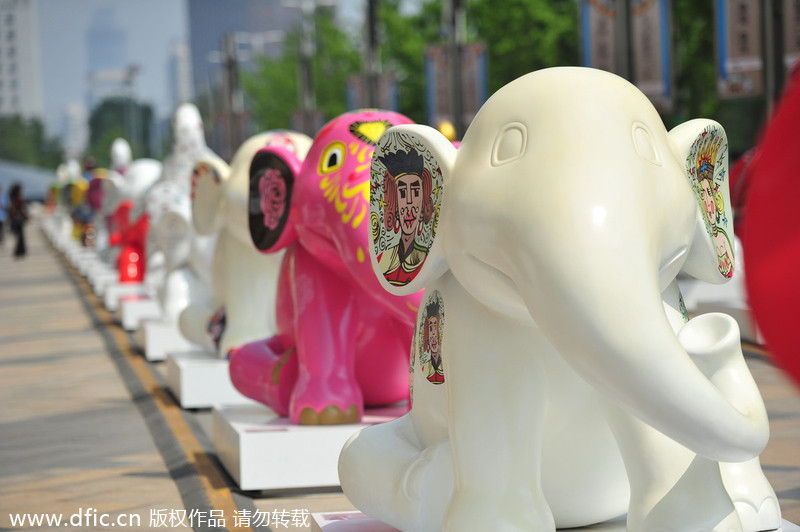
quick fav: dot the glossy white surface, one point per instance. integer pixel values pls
(262, 451)
(575, 388)
(243, 280)
(199, 379)
(158, 338)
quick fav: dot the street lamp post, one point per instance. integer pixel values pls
(456, 22)
(372, 53)
(230, 58)
(307, 48)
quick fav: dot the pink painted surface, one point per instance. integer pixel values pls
(342, 340)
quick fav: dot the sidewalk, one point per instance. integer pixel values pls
(70, 436)
(85, 422)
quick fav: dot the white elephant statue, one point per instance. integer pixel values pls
(244, 281)
(187, 255)
(557, 380)
(121, 157)
(174, 185)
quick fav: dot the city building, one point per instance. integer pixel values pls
(225, 39)
(20, 79)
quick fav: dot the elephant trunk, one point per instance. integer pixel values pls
(617, 337)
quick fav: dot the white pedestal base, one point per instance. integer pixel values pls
(158, 338)
(102, 280)
(96, 269)
(85, 260)
(262, 451)
(117, 291)
(79, 254)
(199, 379)
(134, 310)
(358, 522)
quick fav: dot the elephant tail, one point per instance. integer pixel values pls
(266, 371)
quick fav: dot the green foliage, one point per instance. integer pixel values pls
(695, 78)
(336, 59)
(119, 117)
(525, 35)
(273, 91)
(695, 74)
(24, 141)
(404, 40)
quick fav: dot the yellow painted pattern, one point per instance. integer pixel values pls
(351, 201)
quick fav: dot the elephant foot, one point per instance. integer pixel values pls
(766, 517)
(696, 501)
(330, 415)
(265, 371)
(753, 497)
(481, 512)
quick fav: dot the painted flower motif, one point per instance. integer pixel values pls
(272, 188)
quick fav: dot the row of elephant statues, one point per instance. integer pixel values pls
(519, 289)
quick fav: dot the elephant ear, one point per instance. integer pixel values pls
(410, 165)
(273, 172)
(112, 194)
(208, 198)
(703, 148)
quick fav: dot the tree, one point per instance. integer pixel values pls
(696, 82)
(25, 141)
(404, 40)
(693, 45)
(273, 89)
(525, 35)
(119, 117)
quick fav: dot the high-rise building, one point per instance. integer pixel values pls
(107, 57)
(20, 74)
(76, 125)
(180, 72)
(226, 38)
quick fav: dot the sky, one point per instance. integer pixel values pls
(151, 27)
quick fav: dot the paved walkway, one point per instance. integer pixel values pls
(85, 422)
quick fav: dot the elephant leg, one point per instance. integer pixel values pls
(387, 474)
(381, 366)
(671, 487)
(266, 371)
(714, 344)
(752, 495)
(497, 391)
(325, 329)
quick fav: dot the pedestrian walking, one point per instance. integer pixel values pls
(18, 216)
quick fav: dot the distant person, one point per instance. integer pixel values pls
(18, 216)
(3, 209)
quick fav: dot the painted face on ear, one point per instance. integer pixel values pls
(430, 337)
(707, 167)
(406, 194)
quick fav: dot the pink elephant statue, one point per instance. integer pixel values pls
(341, 344)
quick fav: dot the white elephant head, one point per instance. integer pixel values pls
(121, 155)
(569, 205)
(244, 280)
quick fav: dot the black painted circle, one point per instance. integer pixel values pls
(264, 237)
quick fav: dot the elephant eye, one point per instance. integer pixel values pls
(332, 158)
(510, 144)
(644, 144)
